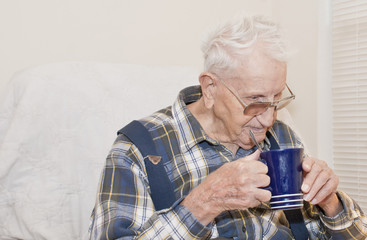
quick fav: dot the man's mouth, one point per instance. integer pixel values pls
(258, 130)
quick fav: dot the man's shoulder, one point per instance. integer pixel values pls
(159, 119)
(151, 122)
(124, 144)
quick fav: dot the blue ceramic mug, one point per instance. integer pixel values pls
(285, 172)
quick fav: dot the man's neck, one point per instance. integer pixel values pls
(211, 127)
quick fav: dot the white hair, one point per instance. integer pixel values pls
(235, 39)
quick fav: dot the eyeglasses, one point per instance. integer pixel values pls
(257, 108)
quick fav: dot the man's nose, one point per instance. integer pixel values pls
(267, 118)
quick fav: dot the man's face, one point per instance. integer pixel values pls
(258, 78)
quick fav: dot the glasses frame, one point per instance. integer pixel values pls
(270, 104)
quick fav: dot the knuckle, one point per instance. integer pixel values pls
(324, 176)
(329, 171)
(317, 168)
(326, 188)
(310, 160)
(323, 164)
(335, 182)
(248, 181)
(244, 180)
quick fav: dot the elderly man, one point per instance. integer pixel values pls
(210, 165)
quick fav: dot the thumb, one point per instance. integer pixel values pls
(253, 156)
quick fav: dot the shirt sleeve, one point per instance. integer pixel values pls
(124, 209)
(350, 223)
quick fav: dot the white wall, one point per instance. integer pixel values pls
(156, 32)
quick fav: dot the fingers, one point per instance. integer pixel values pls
(309, 178)
(307, 164)
(238, 184)
(264, 195)
(324, 192)
(262, 181)
(319, 180)
(255, 181)
(251, 174)
(254, 199)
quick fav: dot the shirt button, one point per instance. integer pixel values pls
(243, 228)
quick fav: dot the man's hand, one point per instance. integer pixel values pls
(319, 186)
(235, 185)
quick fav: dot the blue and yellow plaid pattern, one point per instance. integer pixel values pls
(124, 209)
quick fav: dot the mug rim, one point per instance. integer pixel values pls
(280, 150)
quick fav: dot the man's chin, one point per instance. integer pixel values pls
(248, 144)
(246, 141)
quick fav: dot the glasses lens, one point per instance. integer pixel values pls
(283, 103)
(256, 108)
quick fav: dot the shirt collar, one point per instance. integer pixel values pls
(190, 131)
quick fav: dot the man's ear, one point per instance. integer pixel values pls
(208, 88)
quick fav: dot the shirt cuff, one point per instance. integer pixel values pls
(185, 218)
(344, 218)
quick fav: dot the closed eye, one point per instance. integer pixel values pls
(254, 98)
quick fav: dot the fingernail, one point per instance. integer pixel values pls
(314, 201)
(306, 197)
(305, 187)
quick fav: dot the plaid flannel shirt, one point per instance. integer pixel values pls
(124, 209)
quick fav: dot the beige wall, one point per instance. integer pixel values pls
(150, 32)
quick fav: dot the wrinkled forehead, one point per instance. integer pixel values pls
(260, 76)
